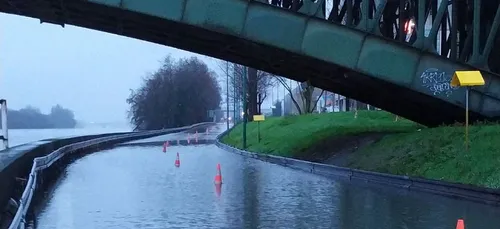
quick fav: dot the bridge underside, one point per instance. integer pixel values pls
(397, 99)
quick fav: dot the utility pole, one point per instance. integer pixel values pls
(284, 96)
(245, 113)
(234, 94)
(227, 94)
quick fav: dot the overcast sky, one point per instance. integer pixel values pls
(87, 71)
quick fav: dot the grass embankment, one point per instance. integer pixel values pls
(435, 153)
(290, 136)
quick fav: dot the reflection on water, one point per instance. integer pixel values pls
(139, 187)
(22, 136)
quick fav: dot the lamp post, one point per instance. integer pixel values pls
(245, 115)
(227, 94)
(234, 94)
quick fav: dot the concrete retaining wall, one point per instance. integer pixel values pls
(468, 192)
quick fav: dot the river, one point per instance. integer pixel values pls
(139, 187)
(22, 136)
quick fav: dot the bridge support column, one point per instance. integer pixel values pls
(5, 133)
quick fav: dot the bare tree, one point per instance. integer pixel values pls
(306, 90)
(178, 94)
(258, 82)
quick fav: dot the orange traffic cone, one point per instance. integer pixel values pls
(177, 161)
(460, 224)
(218, 176)
(165, 144)
(218, 189)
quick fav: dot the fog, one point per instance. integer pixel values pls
(87, 71)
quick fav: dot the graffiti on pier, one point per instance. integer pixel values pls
(438, 82)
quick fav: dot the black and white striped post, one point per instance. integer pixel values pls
(5, 131)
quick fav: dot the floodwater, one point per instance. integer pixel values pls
(139, 187)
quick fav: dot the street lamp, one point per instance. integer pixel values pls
(244, 113)
(227, 94)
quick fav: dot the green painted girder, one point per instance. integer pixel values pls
(351, 48)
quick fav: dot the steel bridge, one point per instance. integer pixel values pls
(398, 55)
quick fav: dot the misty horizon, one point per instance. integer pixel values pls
(87, 71)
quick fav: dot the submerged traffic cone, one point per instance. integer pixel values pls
(218, 176)
(218, 189)
(165, 144)
(177, 161)
(460, 224)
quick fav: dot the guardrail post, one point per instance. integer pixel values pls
(5, 133)
(23, 223)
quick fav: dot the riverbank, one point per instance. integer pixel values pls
(374, 141)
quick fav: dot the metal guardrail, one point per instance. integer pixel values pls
(41, 163)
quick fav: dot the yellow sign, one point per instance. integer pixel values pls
(467, 78)
(258, 118)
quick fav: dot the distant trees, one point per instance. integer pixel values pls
(31, 118)
(60, 117)
(180, 93)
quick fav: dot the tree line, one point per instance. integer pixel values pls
(32, 118)
(181, 92)
(257, 88)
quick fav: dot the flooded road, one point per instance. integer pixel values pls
(139, 187)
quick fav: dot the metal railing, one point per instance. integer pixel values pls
(41, 163)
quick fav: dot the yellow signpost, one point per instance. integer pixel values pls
(467, 79)
(258, 119)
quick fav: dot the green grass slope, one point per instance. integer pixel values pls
(433, 153)
(437, 153)
(288, 136)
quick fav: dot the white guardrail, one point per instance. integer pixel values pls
(41, 163)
